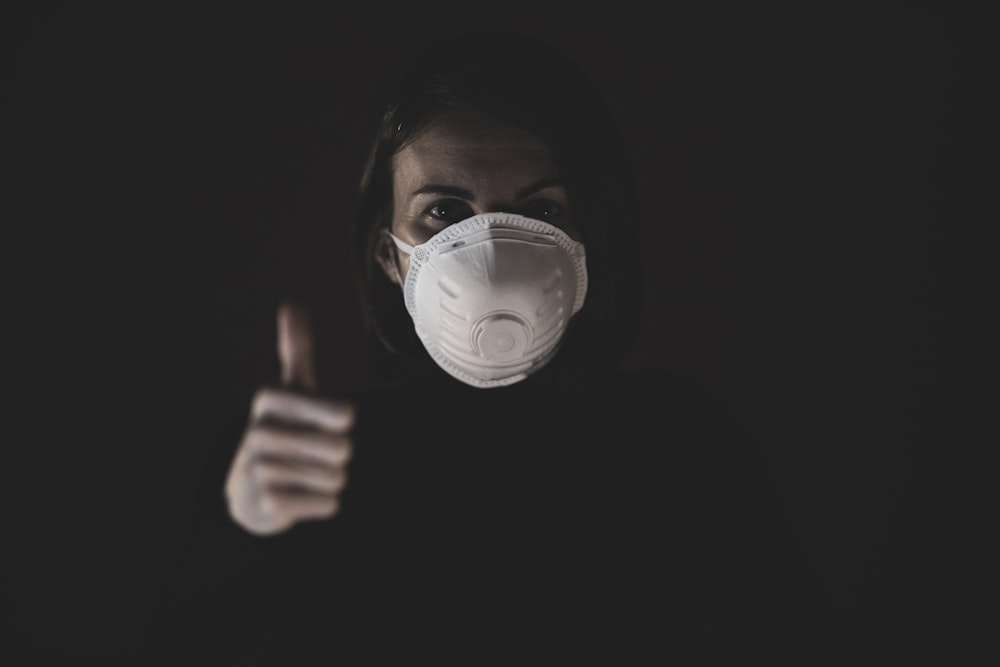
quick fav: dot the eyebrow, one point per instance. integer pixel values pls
(540, 184)
(462, 193)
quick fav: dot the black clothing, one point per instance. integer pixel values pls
(617, 519)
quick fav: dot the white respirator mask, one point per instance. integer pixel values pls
(491, 296)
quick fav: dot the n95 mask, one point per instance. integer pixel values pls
(491, 296)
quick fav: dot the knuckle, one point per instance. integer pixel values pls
(337, 481)
(260, 400)
(338, 442)
(350, 414)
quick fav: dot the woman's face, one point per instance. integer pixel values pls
(464, 165)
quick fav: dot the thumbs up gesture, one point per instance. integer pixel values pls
(291, 465)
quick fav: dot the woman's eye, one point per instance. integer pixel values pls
(546, 211)
(450, 211)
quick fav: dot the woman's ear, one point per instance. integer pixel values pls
(385, 255)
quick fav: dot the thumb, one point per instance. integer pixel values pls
(295, 347)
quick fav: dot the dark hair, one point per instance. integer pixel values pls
(533, 86)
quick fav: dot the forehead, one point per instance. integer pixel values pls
(472, 146)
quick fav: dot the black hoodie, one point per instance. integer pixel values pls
(618, 517)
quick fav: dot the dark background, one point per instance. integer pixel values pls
(174, 171)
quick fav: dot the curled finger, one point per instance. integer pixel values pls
(290, 506)
(317, 447)
(284, 405)
(290, 474)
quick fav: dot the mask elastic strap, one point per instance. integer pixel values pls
(405, 247)
(402, 245)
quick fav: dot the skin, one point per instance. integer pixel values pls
(463, 165)
(291, 465)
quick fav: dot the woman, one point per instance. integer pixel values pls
(502, 492)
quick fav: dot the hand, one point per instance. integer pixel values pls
(291, 465)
